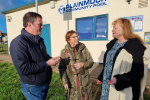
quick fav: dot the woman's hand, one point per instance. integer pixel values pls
(113, 81)
(66, 86)
(99, 82)
(78, 65)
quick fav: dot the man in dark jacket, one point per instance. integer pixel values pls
(31, 60)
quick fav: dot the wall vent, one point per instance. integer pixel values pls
(143, 3)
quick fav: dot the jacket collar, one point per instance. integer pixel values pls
(79, 46)
(30, 36)
(130, 44)
(133, 46)
(111, 44)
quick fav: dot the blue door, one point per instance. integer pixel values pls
(46, 35)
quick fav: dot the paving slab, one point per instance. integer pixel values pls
(5, 58)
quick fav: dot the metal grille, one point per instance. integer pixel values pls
(143, 3)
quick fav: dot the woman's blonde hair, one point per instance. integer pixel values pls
(128, 32)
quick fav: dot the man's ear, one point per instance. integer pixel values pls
(29, 24)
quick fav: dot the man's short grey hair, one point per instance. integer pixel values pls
(30, 17)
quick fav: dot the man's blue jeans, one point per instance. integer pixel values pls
(34, 92)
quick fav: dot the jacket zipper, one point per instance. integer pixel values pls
(77, 75)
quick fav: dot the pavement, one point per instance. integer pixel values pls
(94, 71)
(5, 58)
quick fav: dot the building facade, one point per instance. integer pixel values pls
(92, 19)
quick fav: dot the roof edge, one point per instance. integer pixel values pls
(23, 6)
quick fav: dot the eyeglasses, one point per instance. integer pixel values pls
(38, 24)
(75, 37)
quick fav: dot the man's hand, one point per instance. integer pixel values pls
(57, 59)
(78, 65)
(53, 61)
(113, 81)
(66, 86)
(99, 82)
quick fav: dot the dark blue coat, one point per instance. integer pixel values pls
(30, 60)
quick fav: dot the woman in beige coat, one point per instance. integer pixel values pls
(73, 68)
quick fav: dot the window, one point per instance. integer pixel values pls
(92, 28)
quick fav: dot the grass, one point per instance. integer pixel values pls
(5, 46)
(5, 49)
(10, 88)
(146, 96)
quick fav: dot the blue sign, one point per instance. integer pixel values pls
(81, 5)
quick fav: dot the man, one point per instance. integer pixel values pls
(31, 60)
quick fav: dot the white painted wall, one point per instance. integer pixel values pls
(117, 9)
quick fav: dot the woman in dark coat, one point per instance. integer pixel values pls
(123, 64)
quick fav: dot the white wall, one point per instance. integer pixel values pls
(59, 27)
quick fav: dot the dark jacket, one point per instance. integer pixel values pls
(30, 60)
(132, 78)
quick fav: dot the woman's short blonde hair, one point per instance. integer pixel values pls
(128, 32)
(69, 34)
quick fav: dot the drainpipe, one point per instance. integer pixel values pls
(36, 3)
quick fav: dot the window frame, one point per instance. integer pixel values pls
(94, 27)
